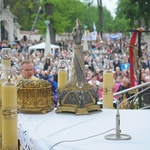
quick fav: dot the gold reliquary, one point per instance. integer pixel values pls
(77, 97)
(34, 96)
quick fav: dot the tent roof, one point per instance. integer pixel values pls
(42, 46)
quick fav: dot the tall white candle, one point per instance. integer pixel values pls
(0, 115)
(108, 79)
(108, 84)
(108, 98)
(62, 78)
(9, 116)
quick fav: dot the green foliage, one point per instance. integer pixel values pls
(107, 20)
(120, 25)
(65, 12)
(24, 11)
(90, 15)
(61, 13)
(133, 10)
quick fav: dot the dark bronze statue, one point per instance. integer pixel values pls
(77, 67)
(77, 96)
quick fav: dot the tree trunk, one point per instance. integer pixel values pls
(100, 15)
(52, 32)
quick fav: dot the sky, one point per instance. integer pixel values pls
(111, 5)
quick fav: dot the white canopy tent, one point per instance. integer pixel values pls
(42, 46)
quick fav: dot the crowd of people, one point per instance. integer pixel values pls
(97, 59)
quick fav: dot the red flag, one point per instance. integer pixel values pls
(132, 43)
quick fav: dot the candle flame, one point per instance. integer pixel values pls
(9, 79)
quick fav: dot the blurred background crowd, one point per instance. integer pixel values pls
(97, 59)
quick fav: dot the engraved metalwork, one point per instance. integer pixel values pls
(34, 96)
(9, 113)
(78, 67)
(77, 99)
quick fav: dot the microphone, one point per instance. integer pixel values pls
(119, 136)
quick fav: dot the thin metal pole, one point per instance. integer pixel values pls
(132, 88)
(34, 23)
(139, 54)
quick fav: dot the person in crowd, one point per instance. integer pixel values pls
(95, 82)
(125, 84)
(147, 79)
(116, 64)
(91, 67)
(147, 71)
(26, 63)
(117, 72)
(44, 75)
(145, 63)
(89, 75)
(125, 65)
(54, 89)
(27, 71)
(54, 72)
(47, 64)
(38, 74)
(99, 74)
(99, 63)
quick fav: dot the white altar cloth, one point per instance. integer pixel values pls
(41, 131)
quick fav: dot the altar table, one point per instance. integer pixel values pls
(43, 131)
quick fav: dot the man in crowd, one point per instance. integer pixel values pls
(27, 71)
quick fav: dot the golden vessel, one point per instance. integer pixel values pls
(34, 96)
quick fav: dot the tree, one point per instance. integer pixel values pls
(107, 21)
(25, 11)
(100, 14)
(62, 15)
(133, 10)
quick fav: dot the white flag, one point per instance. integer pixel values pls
(94, 26)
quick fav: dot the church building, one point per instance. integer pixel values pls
(9, 27)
